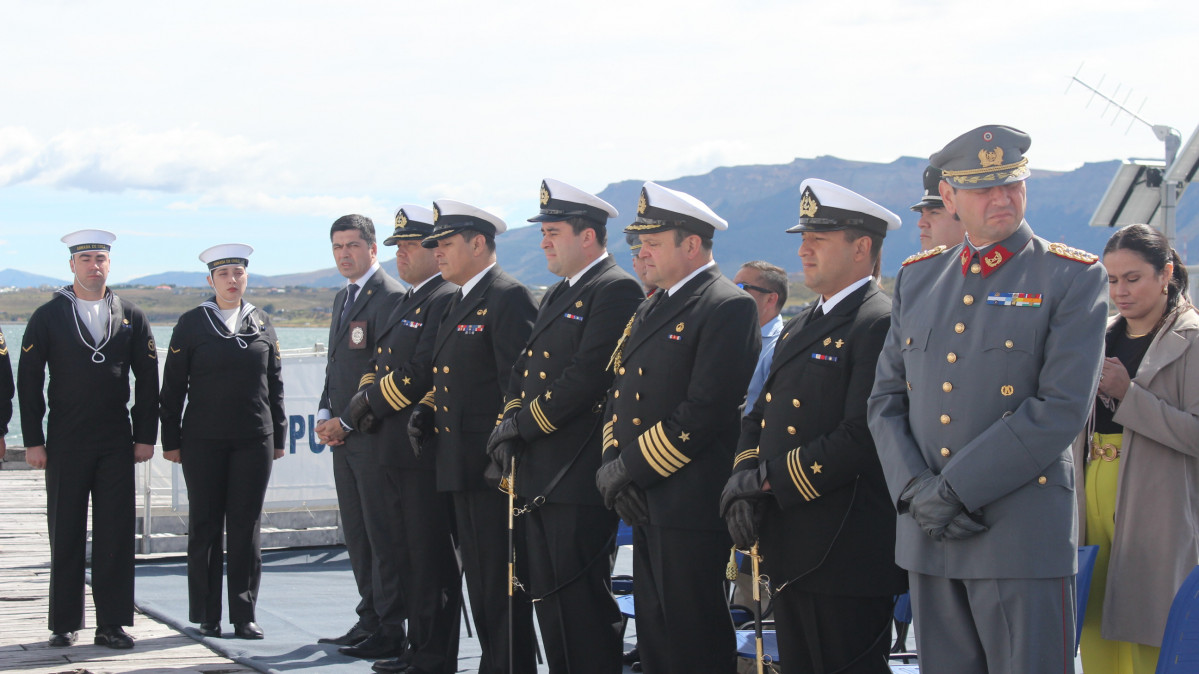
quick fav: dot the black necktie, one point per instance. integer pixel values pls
(653, 303)
(557, 291)
(351, 294)
(817, 314)
(408, 295)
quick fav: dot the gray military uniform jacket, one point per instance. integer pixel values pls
(987, 375)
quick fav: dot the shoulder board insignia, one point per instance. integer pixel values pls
(925, 254)
(1078, 255)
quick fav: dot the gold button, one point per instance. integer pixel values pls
(387, 368)
(445, 388)
(546, 354)
(615, 443)
(380, 349)
(768, 397)
(621, 371)
(444, 408)
(640, 371)
(541, 374)
(434, 369)
(968, 300)
(526, 373)
(763, 423)
(959, 328)
(613, 418)
(947, 387)
(447, 429)
(951, 357)
(945, 451)
(909, 385)
(795, 402)
(975, 268)
(436, 429)
(636, 421)
(522, 394)
(1007, 389)
(909, 341)
(530, 352)
(389, 349)
(945, 419)
(1009, 344)
(791, 430)
(446, 369)
(1042, 480)
(637, 396)
(616, 394)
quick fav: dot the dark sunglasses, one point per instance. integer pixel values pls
(746, 286)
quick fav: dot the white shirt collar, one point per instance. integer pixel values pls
(674, 288)
(575, 279)
(360, 282)
(474, 281)
(831, 302)
(420, 285)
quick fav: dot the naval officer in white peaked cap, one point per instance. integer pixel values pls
(670, 427)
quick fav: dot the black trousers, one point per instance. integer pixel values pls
(683, 622)
(430, 580)
(482, 527)
(827, 633)
(106, 476)
(367, 497)
(570, 554)
(226, 487)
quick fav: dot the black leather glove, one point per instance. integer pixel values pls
(932, 503)
(964, 525)
(361, 417)
(742, 504)
(502, 444)
(610, 479)
(420, 427)
(631, 505)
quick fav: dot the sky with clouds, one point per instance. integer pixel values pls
(182, 126)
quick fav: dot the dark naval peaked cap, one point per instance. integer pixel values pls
(451, 217)
(932, 191)
(560, 201)
(985, 157)
(662, 209)
(412, 222)
(827, 207)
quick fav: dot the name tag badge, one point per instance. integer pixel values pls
(357, 335)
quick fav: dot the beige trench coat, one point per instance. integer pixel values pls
(1157, 495)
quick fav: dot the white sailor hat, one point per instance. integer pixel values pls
(826, 207)
(226, 254)
(451, 217)
(932, 191)
(412, 222)
(89, 239)
(661, 209)
(560, 201)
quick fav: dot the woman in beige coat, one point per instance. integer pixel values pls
(1140, 501)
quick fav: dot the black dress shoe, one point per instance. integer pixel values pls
(393, 665)
(249, 630)
(210, 630)
(62, 639)
(356, 635)
(113, 637)
(375, 647)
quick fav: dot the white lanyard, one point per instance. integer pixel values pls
(246, 309)
(97, 357)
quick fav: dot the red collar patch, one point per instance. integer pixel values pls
(989, 262)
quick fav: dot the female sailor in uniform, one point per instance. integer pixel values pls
(224, 360)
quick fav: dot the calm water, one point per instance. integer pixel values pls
(289, 338)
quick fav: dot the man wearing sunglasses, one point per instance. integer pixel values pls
(767, 284)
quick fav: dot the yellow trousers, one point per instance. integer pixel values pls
(1099, 655)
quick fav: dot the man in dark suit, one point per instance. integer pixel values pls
(362, 494)
(554, 430)
(399, 377)
(6, 391)
(670, 430)
(807, 478)
(487, 323)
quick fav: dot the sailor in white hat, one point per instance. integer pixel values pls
(478, 341)
(669, 428)
(224, 360)
(807, 485)
(563, 370)
(90, 339)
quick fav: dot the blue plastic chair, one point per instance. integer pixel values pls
(1180, 643)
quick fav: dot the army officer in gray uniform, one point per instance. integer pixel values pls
(986, 375)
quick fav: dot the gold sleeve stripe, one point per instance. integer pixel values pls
(651, 459)
(512, 404)
(747, 454)
(659, 453)
(428, 400)
(543, 421)
(658, 433)
(367, 379)
(392, 394)
(795, 468)
(609, 438)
